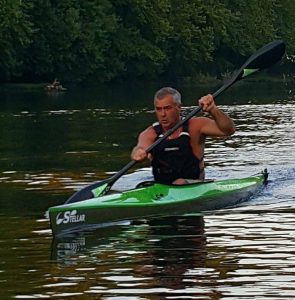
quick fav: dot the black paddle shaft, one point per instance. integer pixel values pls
(261, 59)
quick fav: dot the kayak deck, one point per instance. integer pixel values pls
(153, 200)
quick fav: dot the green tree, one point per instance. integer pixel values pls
(15, 33)
(70, 39)
(118, 40)
(253, 24)
(198, 28)
(285, 22)
(138, 45)
(247, 25)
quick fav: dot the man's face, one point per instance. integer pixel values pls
(167, 112)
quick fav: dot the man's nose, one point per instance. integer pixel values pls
(163, 112)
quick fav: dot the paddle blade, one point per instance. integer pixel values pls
(95, 189)
(81, 195)
(265, 57)
(101, 190)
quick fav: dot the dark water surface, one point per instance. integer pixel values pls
(53, 144)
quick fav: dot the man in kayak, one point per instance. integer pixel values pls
(179, 158)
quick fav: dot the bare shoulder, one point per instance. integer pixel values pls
(149, 133)
(196, 124)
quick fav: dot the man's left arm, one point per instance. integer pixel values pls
(221, 125)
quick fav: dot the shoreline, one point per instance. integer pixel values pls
(183, 81)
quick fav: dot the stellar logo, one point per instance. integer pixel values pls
(69, 217)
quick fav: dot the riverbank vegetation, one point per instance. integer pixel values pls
(106, 40)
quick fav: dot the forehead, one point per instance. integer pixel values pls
(167, 100)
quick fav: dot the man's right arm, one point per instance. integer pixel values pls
(145, 139)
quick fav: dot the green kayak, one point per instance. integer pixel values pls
(153, 200)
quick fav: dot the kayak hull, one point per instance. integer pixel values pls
(152, 201)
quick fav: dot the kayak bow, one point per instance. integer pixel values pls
(153, 200)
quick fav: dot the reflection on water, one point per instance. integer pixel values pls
(143, 258)
(235, 253)
(50, 149)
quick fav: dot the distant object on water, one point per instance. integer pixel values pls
(55, 86)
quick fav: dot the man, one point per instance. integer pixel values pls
(179, 158)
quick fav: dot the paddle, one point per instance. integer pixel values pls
(261, 59)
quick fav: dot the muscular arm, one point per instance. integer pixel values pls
(220, 124)
(145, 139)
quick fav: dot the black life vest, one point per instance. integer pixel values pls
(173, 159)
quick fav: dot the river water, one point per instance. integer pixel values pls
(51, 145)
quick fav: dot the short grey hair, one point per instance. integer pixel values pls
(163, 92)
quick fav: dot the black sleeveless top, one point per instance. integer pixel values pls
(173, 159)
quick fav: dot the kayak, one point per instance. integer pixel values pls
(152, 200)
